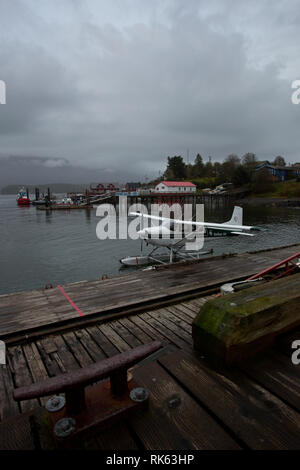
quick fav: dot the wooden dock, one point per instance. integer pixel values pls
(63, 207)
(191, 406)
(221, 199)
(31, 314)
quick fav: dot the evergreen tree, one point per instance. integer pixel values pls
(176, 168)
(198, 167)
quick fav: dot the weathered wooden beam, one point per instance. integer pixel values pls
(231, 328)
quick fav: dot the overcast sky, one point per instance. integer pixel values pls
(119, 85)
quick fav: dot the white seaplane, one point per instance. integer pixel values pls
(164, 235)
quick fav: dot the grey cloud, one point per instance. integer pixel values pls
(124, 93)
(30, 170)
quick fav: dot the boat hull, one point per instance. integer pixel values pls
(23, 201)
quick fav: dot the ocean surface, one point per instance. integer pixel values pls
(59, 247)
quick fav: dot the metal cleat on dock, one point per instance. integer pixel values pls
(87, 409)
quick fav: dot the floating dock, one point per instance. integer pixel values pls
(29, 314)
(192, 406)
(55, 207)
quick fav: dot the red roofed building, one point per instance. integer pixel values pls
(175, 187)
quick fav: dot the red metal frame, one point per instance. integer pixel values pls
(289, 268)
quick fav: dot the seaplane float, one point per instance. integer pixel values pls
(165, 236)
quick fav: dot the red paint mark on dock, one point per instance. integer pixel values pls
(71, 301)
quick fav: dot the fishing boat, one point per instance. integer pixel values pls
(39, 202)
(23, 198)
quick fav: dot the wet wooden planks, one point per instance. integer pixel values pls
(192, 406)
(174, 419)
(56, 354)
(276, 372)
(28, 313)
(255, 416)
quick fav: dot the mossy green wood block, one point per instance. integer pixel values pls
(232, 327)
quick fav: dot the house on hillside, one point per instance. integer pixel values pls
(280, 173)
(102, 188)
(132, 186)
(175, 187)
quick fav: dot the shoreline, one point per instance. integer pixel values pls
(293, 202)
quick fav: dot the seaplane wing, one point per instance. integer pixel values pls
(243, 233)
(228, 227)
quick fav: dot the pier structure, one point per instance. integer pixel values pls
(214, 200)
(112, 197)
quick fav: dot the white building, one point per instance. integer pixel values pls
(175, 187)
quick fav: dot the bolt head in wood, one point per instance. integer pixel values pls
(64, 427)
(55, 403)
(139, 394)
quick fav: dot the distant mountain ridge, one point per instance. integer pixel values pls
(37, 171)
(54, 188)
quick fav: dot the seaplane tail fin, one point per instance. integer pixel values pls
(237, 216)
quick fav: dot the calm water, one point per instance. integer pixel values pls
(39, 247)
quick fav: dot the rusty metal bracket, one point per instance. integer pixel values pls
(88, 408)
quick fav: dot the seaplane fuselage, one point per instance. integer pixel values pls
(166, 235)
